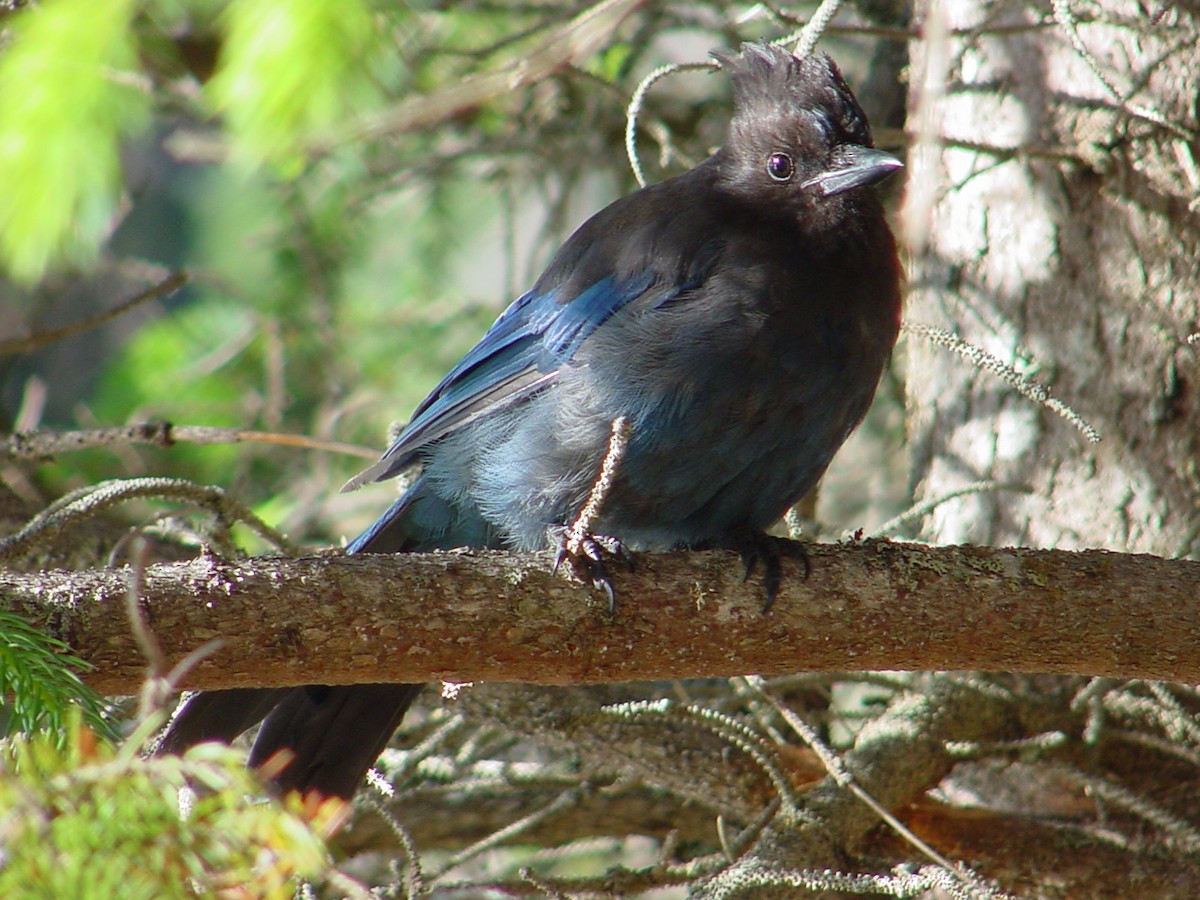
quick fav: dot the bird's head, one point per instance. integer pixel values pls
(798, 136)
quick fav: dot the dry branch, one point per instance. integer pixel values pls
(500, 617)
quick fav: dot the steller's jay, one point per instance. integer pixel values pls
(737, 316)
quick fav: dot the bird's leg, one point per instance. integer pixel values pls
(756, 546)
(579, 545)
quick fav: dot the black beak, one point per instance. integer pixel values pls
(857, 167)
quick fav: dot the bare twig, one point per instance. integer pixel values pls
(1067, 21)
(635, 108)
(1026, 387)
(735, 733)
(807, 39)
(41, 444)
(28, 344)
(414, 881)
(560, 803)
(564, 46)
(1178, 831)
(920, 510)
(84, 503)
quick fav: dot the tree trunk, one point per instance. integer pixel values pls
(1053, 222)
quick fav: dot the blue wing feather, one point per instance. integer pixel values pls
(519, 355)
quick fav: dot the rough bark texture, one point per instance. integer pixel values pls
(419, 617)
(1057, 228)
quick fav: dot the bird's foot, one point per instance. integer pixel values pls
(756, 547)
(587, 555)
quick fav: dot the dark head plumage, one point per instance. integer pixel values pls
(769, 81)
(796, 123)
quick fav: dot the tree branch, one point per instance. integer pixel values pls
(462, 616)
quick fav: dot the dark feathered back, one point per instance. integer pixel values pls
(768, 81)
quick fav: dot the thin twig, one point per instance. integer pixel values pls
(560, 803)
(741, 736)
(1067, 21)
(36, 445)
(922, 509)
(582, 527)
(807, 39)
(1178, 830)
(159, 685)
(37, 340)
(563, 47)
(635, 108)
(82, 504)
(526, 873)
(414, 881)
(1026, 387)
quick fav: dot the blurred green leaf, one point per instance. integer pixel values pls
(193, 361)
(291, 70)
(609, 65)
(69, 91)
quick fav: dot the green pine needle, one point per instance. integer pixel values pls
(39, 687)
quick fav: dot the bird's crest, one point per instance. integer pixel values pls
(768, 81)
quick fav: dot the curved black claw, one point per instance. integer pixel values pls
(757, 546)
(587, 555)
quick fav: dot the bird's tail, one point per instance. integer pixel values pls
(332, 734)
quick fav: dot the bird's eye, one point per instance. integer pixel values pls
(780, 166)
